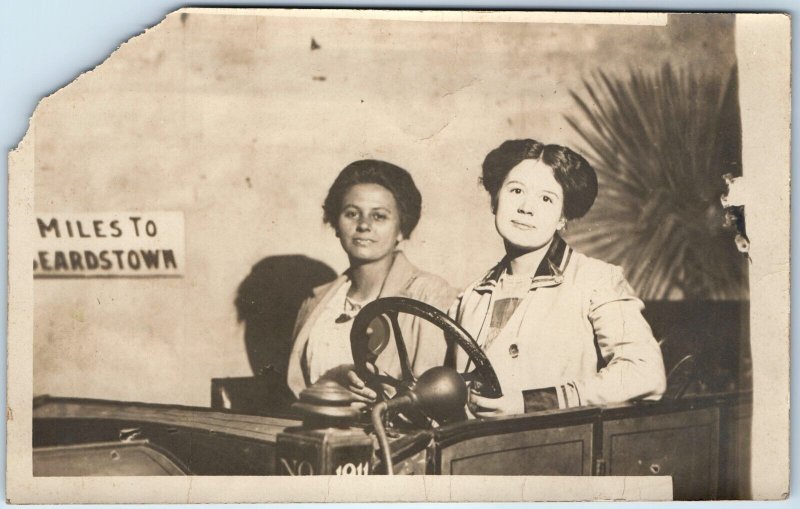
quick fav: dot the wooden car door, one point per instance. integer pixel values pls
(546, 443)
(684, 445)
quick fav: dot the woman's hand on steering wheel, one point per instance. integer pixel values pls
(508, 404)
(345, 375)
(359, 389)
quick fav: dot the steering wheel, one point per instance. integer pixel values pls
(366, 349)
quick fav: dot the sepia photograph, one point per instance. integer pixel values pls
(503, 256)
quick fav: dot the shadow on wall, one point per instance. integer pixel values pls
(267, 302)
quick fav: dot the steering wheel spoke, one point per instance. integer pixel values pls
(402, 351)
(469, 376)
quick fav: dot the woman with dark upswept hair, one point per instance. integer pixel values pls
(561, 329)
(372, 206)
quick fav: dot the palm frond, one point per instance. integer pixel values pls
(660, 143)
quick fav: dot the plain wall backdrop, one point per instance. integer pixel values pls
(238, 123)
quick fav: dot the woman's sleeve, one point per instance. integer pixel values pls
(431, 346)
(634, 367)
(302, 316)
(455, 306)
(296, 371)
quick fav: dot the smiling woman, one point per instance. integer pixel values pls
(561, 329)
(373, 206)
(530, 209)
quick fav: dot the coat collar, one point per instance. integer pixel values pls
(399, 274)
(549, 273)
(397, 279)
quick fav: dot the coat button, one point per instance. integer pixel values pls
(513, 351)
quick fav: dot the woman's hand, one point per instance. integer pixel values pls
(359, 389)
(508, 404)
(345, 375)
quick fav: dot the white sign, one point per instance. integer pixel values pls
(128, 244)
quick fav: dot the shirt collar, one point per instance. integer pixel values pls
(549, 273)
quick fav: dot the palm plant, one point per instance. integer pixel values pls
(661, 143)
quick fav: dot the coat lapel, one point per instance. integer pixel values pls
(295, 377)
(549, 273)
(400, 274)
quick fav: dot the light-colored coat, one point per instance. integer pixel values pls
(426, 347)
(579, 329)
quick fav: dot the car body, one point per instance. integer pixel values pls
(700, 438)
